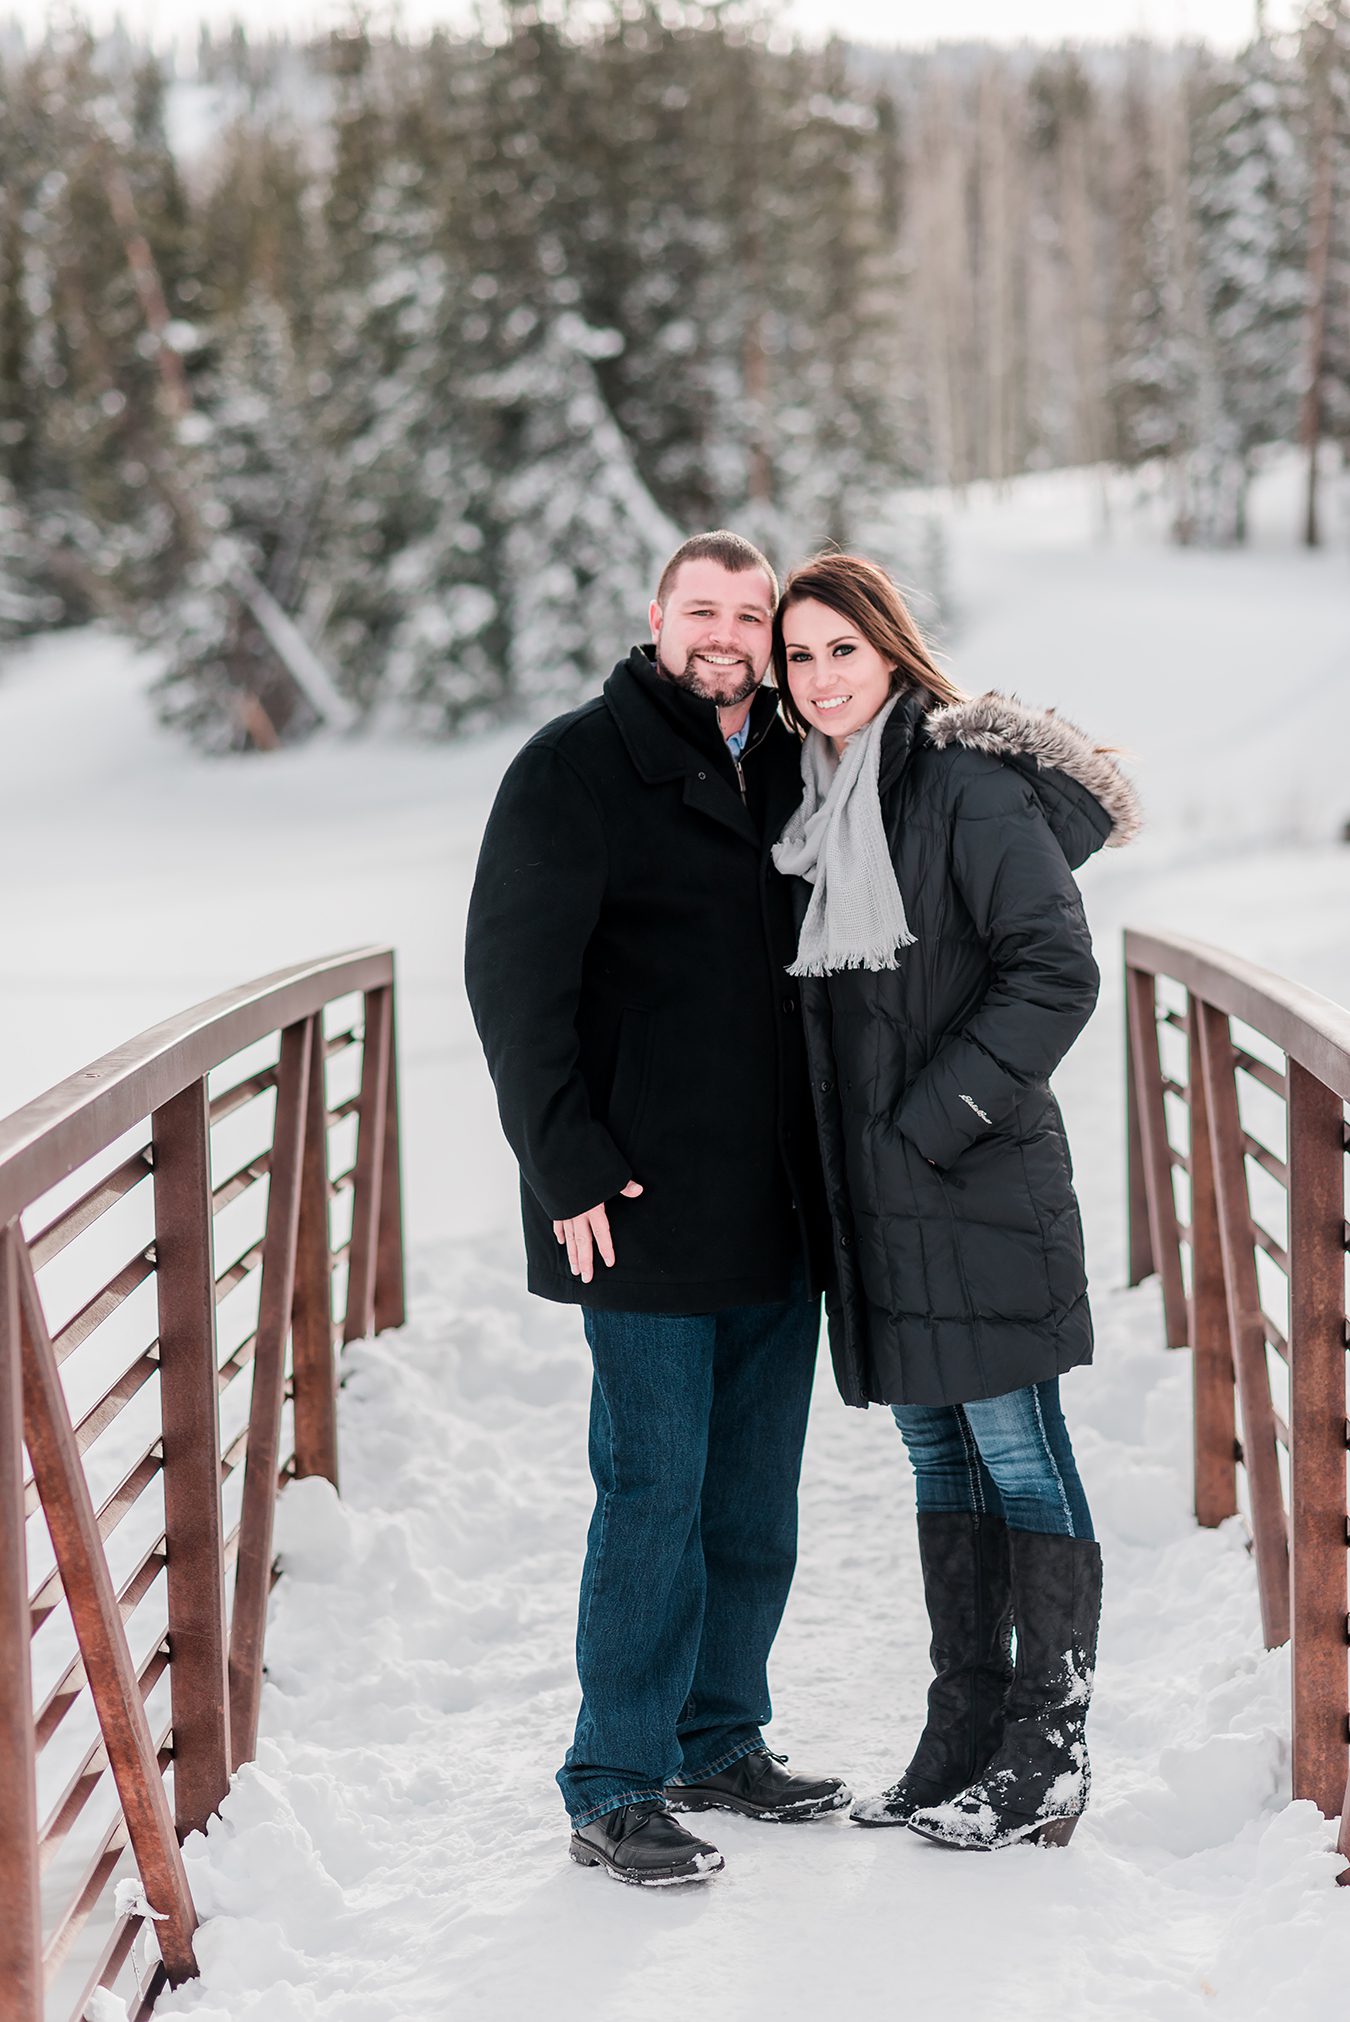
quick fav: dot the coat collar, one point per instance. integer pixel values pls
(667, 733)
(664, 727)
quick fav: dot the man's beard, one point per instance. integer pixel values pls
(735, 684)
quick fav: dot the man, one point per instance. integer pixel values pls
(626, 952)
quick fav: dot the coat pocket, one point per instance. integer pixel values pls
(632, 1079)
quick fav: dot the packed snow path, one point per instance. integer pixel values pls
(397, 1849)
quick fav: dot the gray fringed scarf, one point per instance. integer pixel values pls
(837, 841)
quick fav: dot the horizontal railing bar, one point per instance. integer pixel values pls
(98, 1870)
(1277, 1253)
(338, 1042)
(1179, 1158)
(1174, 1018)
(1259, 1070)
(150, 1993)
(240, 1359)
(1181, 1089)
(81, 1214)
(46, 1140)
(94, 1879)
(103, 1304)
(110, 1960)
(101, 1414)
(68, 1687)
(238, 1271)
(233, 1454)
(1281, 1429)
(116, 1395)
(342, 1182)
(1303, 1024)
(1267, 1160)
(231, 1099)
(84, 1779)
(108, 1517)
(344, 1109)
(1274, 1338)
(240, 1181)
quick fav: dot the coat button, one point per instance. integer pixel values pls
(825, 1087)
(789, 1003)
(703, 775)
(846, 1242)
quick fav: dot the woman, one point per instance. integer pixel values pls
(946, 970)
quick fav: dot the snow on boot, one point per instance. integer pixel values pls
(966, 1587)
(643, 1845)
(1036, 1786)
(759, 1785)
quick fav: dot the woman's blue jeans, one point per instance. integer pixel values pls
(998, 1456)
(697, 1423)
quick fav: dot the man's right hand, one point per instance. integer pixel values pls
(585, 1234)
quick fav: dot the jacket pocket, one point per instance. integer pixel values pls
(632, 1079)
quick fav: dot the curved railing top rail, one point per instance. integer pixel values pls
(42, 1143)
(1306, 1026)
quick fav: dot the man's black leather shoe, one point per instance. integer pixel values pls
(759, 1786)
(644, 1845)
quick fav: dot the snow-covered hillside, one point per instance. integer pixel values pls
(397, 1850)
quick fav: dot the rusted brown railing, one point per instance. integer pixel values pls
(1237, 1086)
(131, 1630)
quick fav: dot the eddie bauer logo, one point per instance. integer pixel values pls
(971, 1103)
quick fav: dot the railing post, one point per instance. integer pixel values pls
(389, 1288)
(1152, 1120)
(21, 1986)
(88, 1588)
(1141, 1262)
(253, 1575)
(189, 1391)
(370, 1151)
(312, 1364)
(1269, 1532)
(1317, 1428)
(1212, 1378)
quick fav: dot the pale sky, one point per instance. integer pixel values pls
(1225, 22)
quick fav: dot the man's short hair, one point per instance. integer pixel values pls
(725, 548)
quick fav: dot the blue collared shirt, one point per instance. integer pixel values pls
(737, 740)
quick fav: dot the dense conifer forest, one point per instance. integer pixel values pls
(403, 362)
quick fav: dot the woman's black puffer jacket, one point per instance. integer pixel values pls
(957, 1235)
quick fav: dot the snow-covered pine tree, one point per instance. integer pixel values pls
(584, 541)
(247, 456)
(415, 617)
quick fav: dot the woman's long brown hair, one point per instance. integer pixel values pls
(864, 594)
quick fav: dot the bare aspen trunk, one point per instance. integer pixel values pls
(1319, 268)
(997, 278)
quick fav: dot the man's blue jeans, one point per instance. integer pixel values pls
(697, 1424)
(1001, 1456)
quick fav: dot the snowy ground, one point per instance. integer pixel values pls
(397, 1849)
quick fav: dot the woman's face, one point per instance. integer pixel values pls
(838, 680)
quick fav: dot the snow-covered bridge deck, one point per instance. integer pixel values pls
(397, 1849)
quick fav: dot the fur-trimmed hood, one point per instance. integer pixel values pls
(1040, 743)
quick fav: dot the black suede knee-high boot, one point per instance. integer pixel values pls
(966, 1585)
(1036, 1786)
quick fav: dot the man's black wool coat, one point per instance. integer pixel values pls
(958, 1240)
(625, 962)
